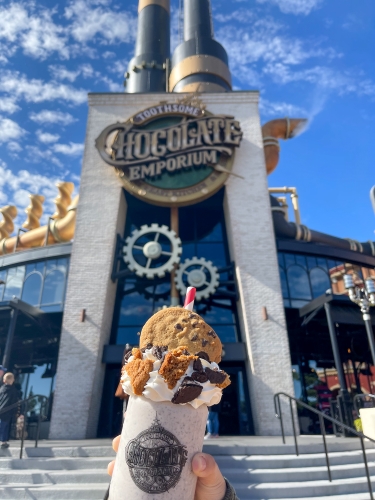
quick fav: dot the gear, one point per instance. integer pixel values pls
(201, 274)
(153, 251)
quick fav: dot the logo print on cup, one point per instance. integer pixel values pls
(155, 459)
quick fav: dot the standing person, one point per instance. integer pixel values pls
(8, 397)
(213, 421)
(2, 373)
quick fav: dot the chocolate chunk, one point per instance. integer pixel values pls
(148, 346)
(197, 365)
(186, 352)
(212, 334)
(201, 377)
(187, 393)
(215, 377)
(127, 356)
(193, 316)
(194, 325)
(203, 355)
(158, 351)
(204, 342)
(194, 338)
(178, 326)
(187, 380)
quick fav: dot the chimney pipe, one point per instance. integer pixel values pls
(147, 69)
(200, 63)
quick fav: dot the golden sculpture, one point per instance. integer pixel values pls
(34, 211)
(64, 199)
(9, 213)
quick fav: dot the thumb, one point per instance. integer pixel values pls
(211, 483)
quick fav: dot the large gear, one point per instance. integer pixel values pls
(153, 251)
(201, 274)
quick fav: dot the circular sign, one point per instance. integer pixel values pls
(172, 154)
(155, 459)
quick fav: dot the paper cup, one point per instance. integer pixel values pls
(158, 442)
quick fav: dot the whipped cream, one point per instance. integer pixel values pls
(157, 389)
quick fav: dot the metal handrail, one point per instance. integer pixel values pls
(322, 416)
(358, 397)
(17, 405)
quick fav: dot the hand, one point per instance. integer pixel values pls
(210, 485)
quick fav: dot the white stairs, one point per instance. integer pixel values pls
(258, 468)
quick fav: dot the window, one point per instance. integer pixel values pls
(14, 283)
(32, 288)
(320, 282)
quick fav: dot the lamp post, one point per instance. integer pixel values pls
(365, 298)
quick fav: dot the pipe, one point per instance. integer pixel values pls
(199, 63)
(292, 231)
(282, 128)
(59, 231)
(147, 69)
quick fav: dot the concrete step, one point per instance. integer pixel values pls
(56, 451)
(63, 463)
(66, 492)
(36, 476)
(302, 489)
(292, 461)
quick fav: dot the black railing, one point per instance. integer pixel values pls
(322, 417)
(23, 407)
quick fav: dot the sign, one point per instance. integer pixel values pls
(172, 154)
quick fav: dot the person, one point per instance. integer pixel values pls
(211, 484)
(8, 397)
(3, 370)
(213, 421)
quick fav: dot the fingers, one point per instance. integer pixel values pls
(110, 467)
(211, 484)
(116, 443)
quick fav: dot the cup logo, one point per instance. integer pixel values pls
(155, 459)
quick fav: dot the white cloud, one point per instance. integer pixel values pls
(295, 6)
(10, 130)
(71, 149)
(14, 147)
(46, 137)
(8, 105)
(34, 90)
(274, 108)
(47, 116)
(63, 73)
(36, 33)
(90, 18)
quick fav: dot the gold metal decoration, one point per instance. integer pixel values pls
(199, 64)
(162, 3)
(9, 213)
(63, 200)
(294, 197)
(34, 211)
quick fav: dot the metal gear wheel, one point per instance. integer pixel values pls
(201, 274)
(153, 251)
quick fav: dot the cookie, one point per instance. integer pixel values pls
(174, 366)
(218, 377)
(176, 326)
(188, 391)
(139, 373)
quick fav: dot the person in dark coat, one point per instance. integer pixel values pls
(9, 395)
(3, 371)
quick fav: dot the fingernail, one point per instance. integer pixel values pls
(201, 463)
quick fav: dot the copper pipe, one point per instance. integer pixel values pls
(282, 128)
(59, 231)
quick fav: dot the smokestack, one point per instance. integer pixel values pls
(200, 63)
(147, 69)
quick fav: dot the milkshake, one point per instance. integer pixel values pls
(171, 379)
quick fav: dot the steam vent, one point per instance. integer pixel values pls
(174, 193)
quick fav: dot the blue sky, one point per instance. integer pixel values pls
(308, 58)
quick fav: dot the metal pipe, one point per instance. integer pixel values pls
(10, 337)
(147, 69)
(294, 427)
(335, 347)
(323, 430)
(198, 21)
(366, 468)
(370, 335)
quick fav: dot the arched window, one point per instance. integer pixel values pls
(54, 285)
(32, 288)
(299, 284)
(14, 283)
(319, 281)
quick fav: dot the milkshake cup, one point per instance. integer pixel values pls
(170, 384)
